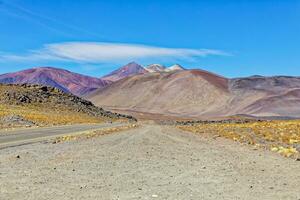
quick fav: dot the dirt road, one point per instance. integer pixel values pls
(31, 135)
(150, 162)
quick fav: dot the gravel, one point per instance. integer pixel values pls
(151, 162)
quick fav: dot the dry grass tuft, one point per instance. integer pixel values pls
(91, 134)
(48, 116)
(282, 137)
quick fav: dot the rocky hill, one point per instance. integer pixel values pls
(48, 105)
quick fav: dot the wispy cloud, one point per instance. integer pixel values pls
(96, 52)
(55, 25)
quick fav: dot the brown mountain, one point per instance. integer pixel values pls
(266, 96)
(184, 93)
(62, 79)
(197, 93)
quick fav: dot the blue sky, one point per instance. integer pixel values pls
(233, 38)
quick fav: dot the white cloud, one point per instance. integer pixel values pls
(95, 52)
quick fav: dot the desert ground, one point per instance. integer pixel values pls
(149, 162)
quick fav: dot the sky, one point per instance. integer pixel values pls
(233, 38)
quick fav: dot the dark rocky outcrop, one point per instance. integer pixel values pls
(26, 94)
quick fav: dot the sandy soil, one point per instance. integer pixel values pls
(151, 162)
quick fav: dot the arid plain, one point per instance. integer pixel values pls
(148, 133)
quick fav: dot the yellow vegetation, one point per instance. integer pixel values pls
(47, 115)
(91, 134)
(282, 137)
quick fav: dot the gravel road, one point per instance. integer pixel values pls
(31, 135)
(150, 162)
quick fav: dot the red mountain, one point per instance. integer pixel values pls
(128, 70)
(63, 79)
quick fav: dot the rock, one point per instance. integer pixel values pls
(35, 94)
(16, 120)
(24, 99)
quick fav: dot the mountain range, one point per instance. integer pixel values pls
(62, 79)
(174, 91)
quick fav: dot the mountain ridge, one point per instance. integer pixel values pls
(180, 92)
(65, 80)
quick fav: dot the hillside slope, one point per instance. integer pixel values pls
(62, 79)
(42, 105)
